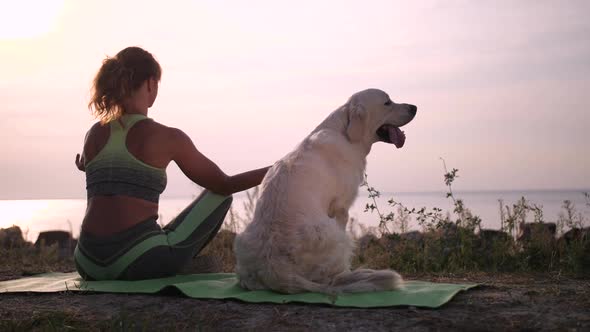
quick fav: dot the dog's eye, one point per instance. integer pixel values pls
(387, 103)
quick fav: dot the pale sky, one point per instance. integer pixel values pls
(502, 87)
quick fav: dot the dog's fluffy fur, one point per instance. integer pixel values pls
(297, 240)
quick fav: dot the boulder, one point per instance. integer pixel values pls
(12, 237)
(490, 236)
(529, 232)
(575, 235)
(62, 239)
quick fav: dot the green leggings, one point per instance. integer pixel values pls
(146, 250)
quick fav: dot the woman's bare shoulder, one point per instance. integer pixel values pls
(98, 129)
(172, 133)
(160, 129)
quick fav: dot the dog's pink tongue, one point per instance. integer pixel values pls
(397, 136)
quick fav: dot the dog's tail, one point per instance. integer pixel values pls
(357, 281)
(366, 280)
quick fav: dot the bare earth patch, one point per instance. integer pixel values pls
(502, 302)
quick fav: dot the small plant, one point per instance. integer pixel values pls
(512, 218)
(373, 207)
(447, 244)
(403, 218)
(465, 217)
(429, 220)
(569, 217)
(574, 245)
(455, 242)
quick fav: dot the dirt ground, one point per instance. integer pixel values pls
(503, 302)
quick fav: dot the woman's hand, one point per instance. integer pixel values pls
(80, 162)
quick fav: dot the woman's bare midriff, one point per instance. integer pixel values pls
(107, 215)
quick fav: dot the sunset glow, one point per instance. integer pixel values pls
(248, 81)
(28, 18)
(21, 212)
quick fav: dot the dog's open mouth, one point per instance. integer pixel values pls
(391, 134)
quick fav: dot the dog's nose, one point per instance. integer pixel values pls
(413, 109)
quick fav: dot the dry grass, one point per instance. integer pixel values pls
(220, 249)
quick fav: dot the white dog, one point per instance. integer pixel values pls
(297, 240)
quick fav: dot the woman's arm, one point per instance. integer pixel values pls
(205, 172)
(81, 158)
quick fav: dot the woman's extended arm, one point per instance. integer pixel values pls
(205, 172)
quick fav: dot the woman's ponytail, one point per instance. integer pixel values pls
(118, 78)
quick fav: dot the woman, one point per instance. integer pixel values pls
(125, 158)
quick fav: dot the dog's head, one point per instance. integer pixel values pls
(374, 117)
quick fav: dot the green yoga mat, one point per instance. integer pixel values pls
(225, 286)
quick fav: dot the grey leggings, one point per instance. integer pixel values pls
(148, 251)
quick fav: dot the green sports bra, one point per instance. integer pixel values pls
(115, 171)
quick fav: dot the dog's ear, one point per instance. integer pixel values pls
(357, 122)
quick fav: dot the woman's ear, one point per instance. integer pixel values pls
(152, 84)
(357, 122)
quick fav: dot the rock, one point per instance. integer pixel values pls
(365, 241)
(490, 236)
(394, 242)
(575, 234)
(12, 237)
(536, 232)
(64, 241)
(492, 248)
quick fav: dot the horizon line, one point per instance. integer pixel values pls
(580, 190)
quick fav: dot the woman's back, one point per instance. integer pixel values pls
(146, 149)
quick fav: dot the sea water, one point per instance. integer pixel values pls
(34, 216)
